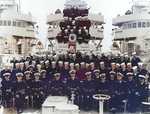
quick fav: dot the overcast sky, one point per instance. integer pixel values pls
(109, 8)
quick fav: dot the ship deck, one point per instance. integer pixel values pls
(36, 111)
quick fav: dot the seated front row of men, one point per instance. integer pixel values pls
(40, 88)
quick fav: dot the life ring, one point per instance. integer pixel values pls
(72, 37)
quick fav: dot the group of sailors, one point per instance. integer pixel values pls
(78, 25)
(39, 76)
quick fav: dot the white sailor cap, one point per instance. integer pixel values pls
(65, 53)
(27, 72)
(57, 74)
(11, 64)
(129, 64)
(121, 55)
(88, 73)
(37, 74)
(140, 63)
(129, 74)
(126, 56)
(117, 64)
(43, 71)
(21, 56)
(17, 64)
(87, 64)
(6, 74)
(77, 64)
(142, 76)
(55, 56)
(38, 65)
(70, 54)
(53, 62)
(46, 62)
(21, 63)
(101, 63)
(66, 63)
(71, 64)
(82, 63)
(41, 61)
(30, 66)
(134, 53)
(96, 71)
(113, 63)
(6, 64)
(122, 63)
(120, 74)
(90, 54)
(27, 62)
(72, 72)
(33, 62)
(60, 62)
(73, 55)
(102, 75)
(134, 68)
(112, 72)
(99, 55)
(19, 74)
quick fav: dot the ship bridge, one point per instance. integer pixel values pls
(132, 30)
(21, 27)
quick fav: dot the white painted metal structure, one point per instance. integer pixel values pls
(17, 30)
(133, 29)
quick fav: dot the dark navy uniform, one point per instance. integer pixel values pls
(37, 92)
(88, 88)
(57, 87)
(135, 61)
(20, 89)
(73, 85)
(120, 93)
(7, 91)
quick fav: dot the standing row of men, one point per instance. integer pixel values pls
(93, 79)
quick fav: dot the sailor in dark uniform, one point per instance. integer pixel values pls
(126, 59)
(21, 69)
(120, 93)
(20, 92)
(5, 70)
(57, 86)
(141, 91)
(112, 80)
(22, 59)
(124, 71)
(45, 81)
(135, 60)
(88, 90)
(103, 85)
(136, 74)
(81, 72)
(141, 70)
(65, 72)
(96, 76)
(98, 60)
(14, 61)
(6, 88)
(103, 69)
(131, 84)
(80, 36)
(12, 72)
(28, 81)
(87, 37)
(53, 69)
(108, 62)
(30, 68)
(118, 67)
(78, 54)
(73, 85)
(37, 91)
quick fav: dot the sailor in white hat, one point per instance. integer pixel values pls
(135, 59)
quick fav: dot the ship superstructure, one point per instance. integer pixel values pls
(132, 30)
(95, 29)
(17, 30)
